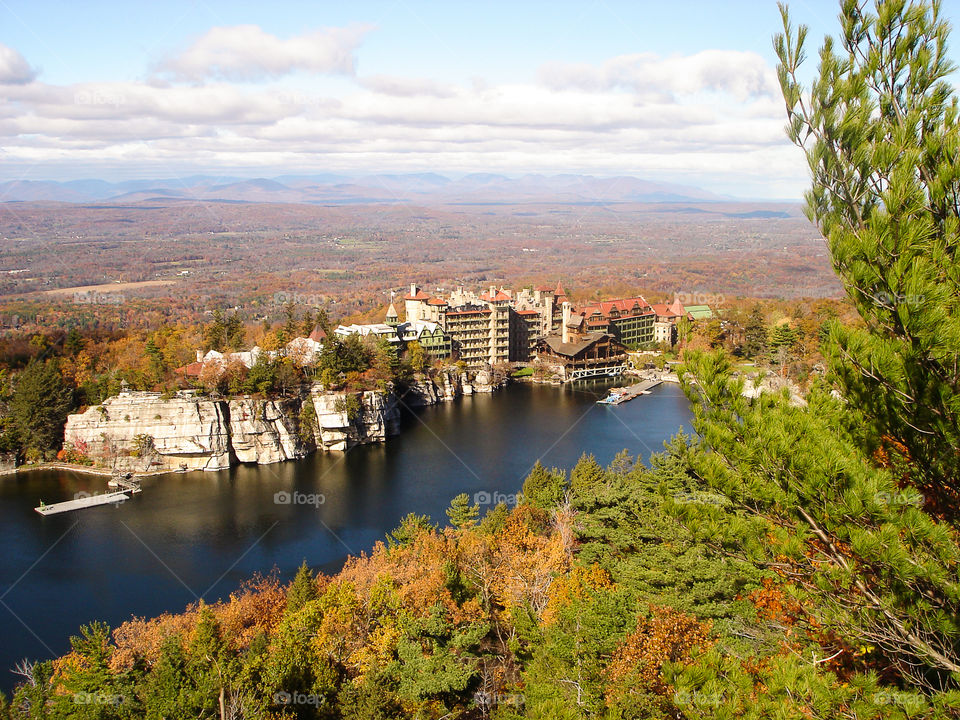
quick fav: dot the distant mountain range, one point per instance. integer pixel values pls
(478, 188)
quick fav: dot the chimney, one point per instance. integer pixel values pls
(563, 324)
(199, 355)
(413, 289)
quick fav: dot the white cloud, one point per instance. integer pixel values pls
(740, 74)
(14, 68)
(405, 87)
(679, 118)
(247, 53)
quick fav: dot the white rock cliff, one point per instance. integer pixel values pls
(143, 431)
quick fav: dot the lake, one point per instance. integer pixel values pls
(200, 535)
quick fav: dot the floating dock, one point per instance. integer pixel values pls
(622, 395)
(85, 500)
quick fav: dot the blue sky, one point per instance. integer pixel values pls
(76, 42)
(675, 91)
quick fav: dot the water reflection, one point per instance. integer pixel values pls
(201, 534)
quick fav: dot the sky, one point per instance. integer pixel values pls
(682, 91)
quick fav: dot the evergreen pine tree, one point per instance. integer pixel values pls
(461, 513)
(73, 343)
(215, 334)
(39, 407)
(544, 488)
(302, 590)
(755, 334)
(411, 526)
(586, 474)
(307, 323)
(235, 334)
(880, 131)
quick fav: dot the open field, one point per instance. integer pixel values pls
(109, 287)
(193, 256)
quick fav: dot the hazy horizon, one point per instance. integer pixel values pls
(685, 94)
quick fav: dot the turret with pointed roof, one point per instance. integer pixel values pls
(560, 295)
(392, 317)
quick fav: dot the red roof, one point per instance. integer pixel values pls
(191, 370)
(663, 310)
(559, 290)
(635, 305)
(544, 288)
(421, 295)
(501, 296)
(436, 301)
(318, 334)
(527, 312)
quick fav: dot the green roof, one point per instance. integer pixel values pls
(699, 312)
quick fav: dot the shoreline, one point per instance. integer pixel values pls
(109, 472)
(82, 469)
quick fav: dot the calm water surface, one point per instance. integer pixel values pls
(194, 535)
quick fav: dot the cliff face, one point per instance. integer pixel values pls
(141, 431)
(266, 432)
(423, 392)
(348, 419)
(449, 385)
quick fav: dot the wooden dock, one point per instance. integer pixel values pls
(622, 395)
(85, 500)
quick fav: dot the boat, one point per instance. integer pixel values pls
(614, 398)
(626, 394)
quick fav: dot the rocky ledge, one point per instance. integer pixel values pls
(144, 432)
(150, 432)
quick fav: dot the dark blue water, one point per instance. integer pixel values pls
(200, 535)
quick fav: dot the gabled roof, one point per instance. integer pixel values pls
(416, 328)
(663, 310)
(319, 334)
(699, 312)
(421, 295)
(436, 301)
(572, 349)
(500, 296)
(191, 370)
(635, 306)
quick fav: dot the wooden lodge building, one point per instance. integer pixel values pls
(579, 352)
